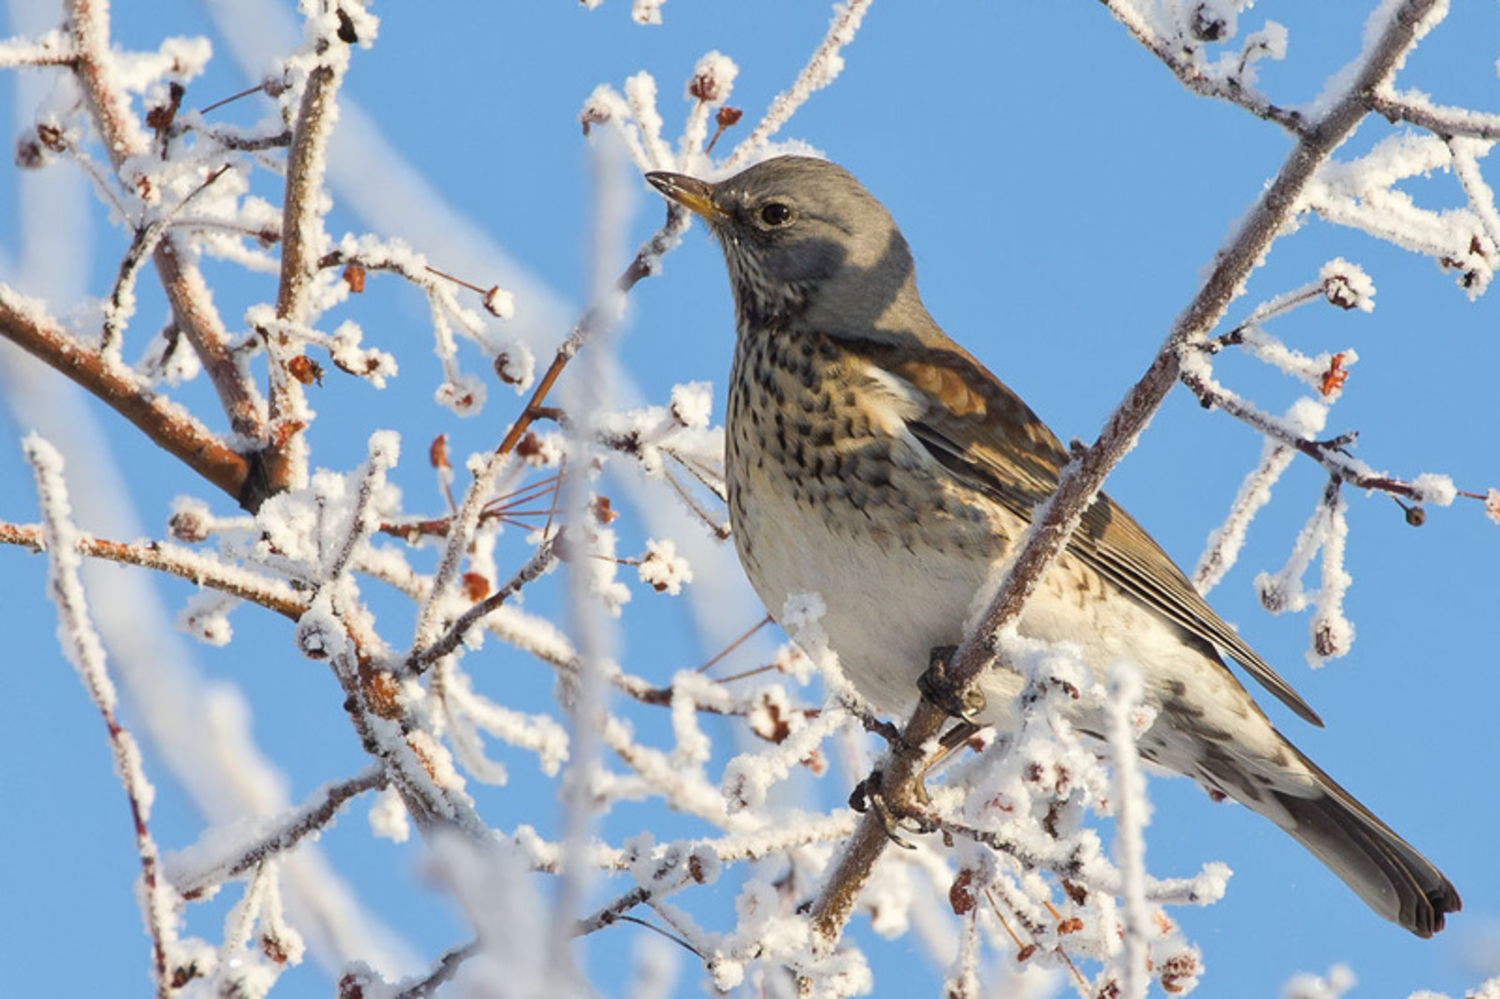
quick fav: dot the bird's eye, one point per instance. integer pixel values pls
(775, 214)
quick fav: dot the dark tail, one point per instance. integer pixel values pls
(1385, 870)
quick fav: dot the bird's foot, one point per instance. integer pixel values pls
(868, 796)
(937, 687)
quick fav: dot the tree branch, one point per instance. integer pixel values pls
(301, 243)
(82, 645)
(184, 563)
(463, 523)
(446, 967)
(286, 831)
(170, 427)
(1443, 122)
(192, 305)
(1191, 76)
(540, 561)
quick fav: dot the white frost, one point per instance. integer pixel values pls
(663, 569)
(389, 818)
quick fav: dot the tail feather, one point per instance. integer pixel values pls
(1382, 868)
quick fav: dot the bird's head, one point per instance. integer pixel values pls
(805, 243)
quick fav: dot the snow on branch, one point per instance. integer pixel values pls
(1132, 812)
(1007, 835)
(99, 73)
(224, 854)
(1182, 35)
(51, 48)
(637, 120)
(26, 323)
(1362, 193)
(826, 63)
(1445, 122)
(81, 644)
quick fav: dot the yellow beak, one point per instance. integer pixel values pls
(691, 193)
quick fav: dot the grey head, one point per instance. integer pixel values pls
(807, 247)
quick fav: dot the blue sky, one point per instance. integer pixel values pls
(1063, 196)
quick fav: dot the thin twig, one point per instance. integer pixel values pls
(121, 303)
(447, 966)
(476, 497)
(232, 97)
(1443, 122)
(361, 521)
(82, 645)
(1189, 73)
(735, 644)
(540, 561)
(1329, 454)
(815, 75)
(184, 563)
(612, 912)
(310, 818)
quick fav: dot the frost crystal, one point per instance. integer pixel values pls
(1435, 489)
(663, 569)
(463, 394)
(646, 11)
(1347, 285)
(692, 404)
(712, 78)
(500, 303)
(389, 818)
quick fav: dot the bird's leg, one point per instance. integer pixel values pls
(937, 687)
(867, 795)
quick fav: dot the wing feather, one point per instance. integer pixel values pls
(989, 440)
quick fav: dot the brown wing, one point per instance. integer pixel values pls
(986, 437)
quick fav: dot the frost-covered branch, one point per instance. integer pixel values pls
(611, 913)
(184, 563)
(26, 323)
(224, 855)
(1131, 816)
(443, 971)
(50, 49)
(463, 523)
(1444, 122)
(186, 290)
(824, 65)
(1225, 542)
(540, 561)
(121, 303)
(302, 237)
(1181, 45)
(82, 645)
(1331, 454)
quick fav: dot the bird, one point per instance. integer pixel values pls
(873, 461)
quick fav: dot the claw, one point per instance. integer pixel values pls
(866, 796)
(937, 688)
